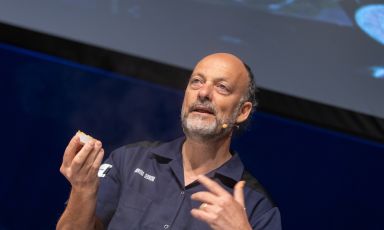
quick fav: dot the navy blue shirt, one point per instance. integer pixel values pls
(142, 187)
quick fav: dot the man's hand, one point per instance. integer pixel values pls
(220, 209)
(81, 164)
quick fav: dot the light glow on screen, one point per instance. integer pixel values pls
(370, 19)
(377, 72)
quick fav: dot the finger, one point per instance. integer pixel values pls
(212, 186)
(205, 197)
(207, 217)
(238, 193)
(71, 150)
(98, 160)
(203, 206)
(91, 157)
(210, 208)
(81, 157)
(96, 163)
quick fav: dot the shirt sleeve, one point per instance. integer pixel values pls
(109, 188)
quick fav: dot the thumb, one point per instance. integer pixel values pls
(238, 193)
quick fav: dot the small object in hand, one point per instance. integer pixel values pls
(84, 138)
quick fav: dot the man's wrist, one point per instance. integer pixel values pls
(83, 194)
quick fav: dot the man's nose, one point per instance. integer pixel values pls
(205, 92)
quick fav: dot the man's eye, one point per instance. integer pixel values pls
(195, 83)
(223, 88)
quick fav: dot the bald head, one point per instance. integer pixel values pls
(225, 60)
(223, 56)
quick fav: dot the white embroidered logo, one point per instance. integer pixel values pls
(145, 175)
(104, 169)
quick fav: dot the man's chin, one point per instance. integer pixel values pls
(202, 130)
(200, 127)
(201, 117)
(206, 129)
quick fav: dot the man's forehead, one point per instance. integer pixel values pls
(221, 59)
(223, 63)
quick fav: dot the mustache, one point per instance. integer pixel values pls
(206, 105)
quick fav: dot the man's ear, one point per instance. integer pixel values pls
(245, 110)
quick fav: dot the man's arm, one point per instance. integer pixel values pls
(80, 166)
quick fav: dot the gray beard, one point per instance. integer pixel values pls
(198, 127)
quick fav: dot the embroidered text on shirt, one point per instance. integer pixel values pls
(145, 175)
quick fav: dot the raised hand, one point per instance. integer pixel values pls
(81, 163)
(220, 209)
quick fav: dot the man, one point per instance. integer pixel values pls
(194, 182)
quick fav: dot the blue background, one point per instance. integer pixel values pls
(320, 179)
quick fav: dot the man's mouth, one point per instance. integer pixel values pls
(203, 109)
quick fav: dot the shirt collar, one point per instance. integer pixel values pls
(232, 169)
(170, 150)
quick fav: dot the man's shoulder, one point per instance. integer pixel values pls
(142, 144)
(140, 147)
(253, 184)
(145, 148)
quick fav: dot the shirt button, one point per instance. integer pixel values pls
(182, 193)
(166, 226)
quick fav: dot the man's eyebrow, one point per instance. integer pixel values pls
(222, 79)
(197, 74)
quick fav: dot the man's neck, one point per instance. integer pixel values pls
(201, 157)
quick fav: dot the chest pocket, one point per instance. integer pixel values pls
(130, 211)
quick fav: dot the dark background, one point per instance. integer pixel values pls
(320, 158)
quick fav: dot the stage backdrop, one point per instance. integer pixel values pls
(319, 178)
